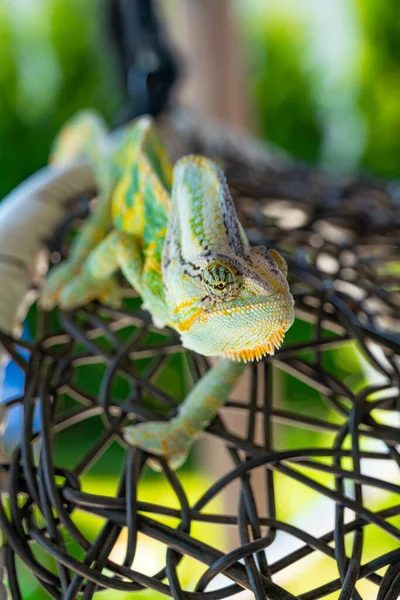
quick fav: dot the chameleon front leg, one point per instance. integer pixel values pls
(173, 439)
(96, 279)
(84, 137)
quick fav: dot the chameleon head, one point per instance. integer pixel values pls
(243, 308)
(226, 298)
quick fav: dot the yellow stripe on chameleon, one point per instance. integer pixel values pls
(132, 217)
(152, 261)
(133, 220)
(187, 323)
(185, 304)
(148, 176)
(131, 154)
(152, 264)
(160, 192)
(119, 195)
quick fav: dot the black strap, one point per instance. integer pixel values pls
(147, 66)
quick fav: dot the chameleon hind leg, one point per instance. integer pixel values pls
(173, 440)
(96, 279)
(60, 277)
(84, 137)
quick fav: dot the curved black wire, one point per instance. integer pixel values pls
(122, 345)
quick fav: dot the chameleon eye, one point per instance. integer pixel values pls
(220, 281)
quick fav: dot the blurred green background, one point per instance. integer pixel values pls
(324, 79)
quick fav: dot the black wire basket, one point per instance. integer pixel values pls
(341, 242)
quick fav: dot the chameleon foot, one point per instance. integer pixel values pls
(55, 282)
(162, 439)
(81, 290)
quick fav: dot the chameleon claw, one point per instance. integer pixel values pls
(81, 290)
(161, 439)
(47, 302)
(52, 287)
(112, 297)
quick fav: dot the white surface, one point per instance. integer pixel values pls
(28, 216)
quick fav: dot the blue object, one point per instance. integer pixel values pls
(13, 387)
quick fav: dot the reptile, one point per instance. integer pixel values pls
(174, 233)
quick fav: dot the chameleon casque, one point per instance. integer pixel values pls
(175, 235)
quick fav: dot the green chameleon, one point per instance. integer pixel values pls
(175, 235)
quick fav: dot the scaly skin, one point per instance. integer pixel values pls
(175, 235)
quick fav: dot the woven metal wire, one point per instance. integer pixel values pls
(341, 242)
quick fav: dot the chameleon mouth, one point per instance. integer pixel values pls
(259, 351)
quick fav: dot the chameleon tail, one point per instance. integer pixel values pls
(83, 137)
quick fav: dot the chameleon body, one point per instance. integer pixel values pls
(175, 235)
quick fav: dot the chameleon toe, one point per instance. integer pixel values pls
(162, 439)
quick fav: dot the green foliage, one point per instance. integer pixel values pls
(379, 98)
(53, 62)
(282, 88)
(307, 99)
